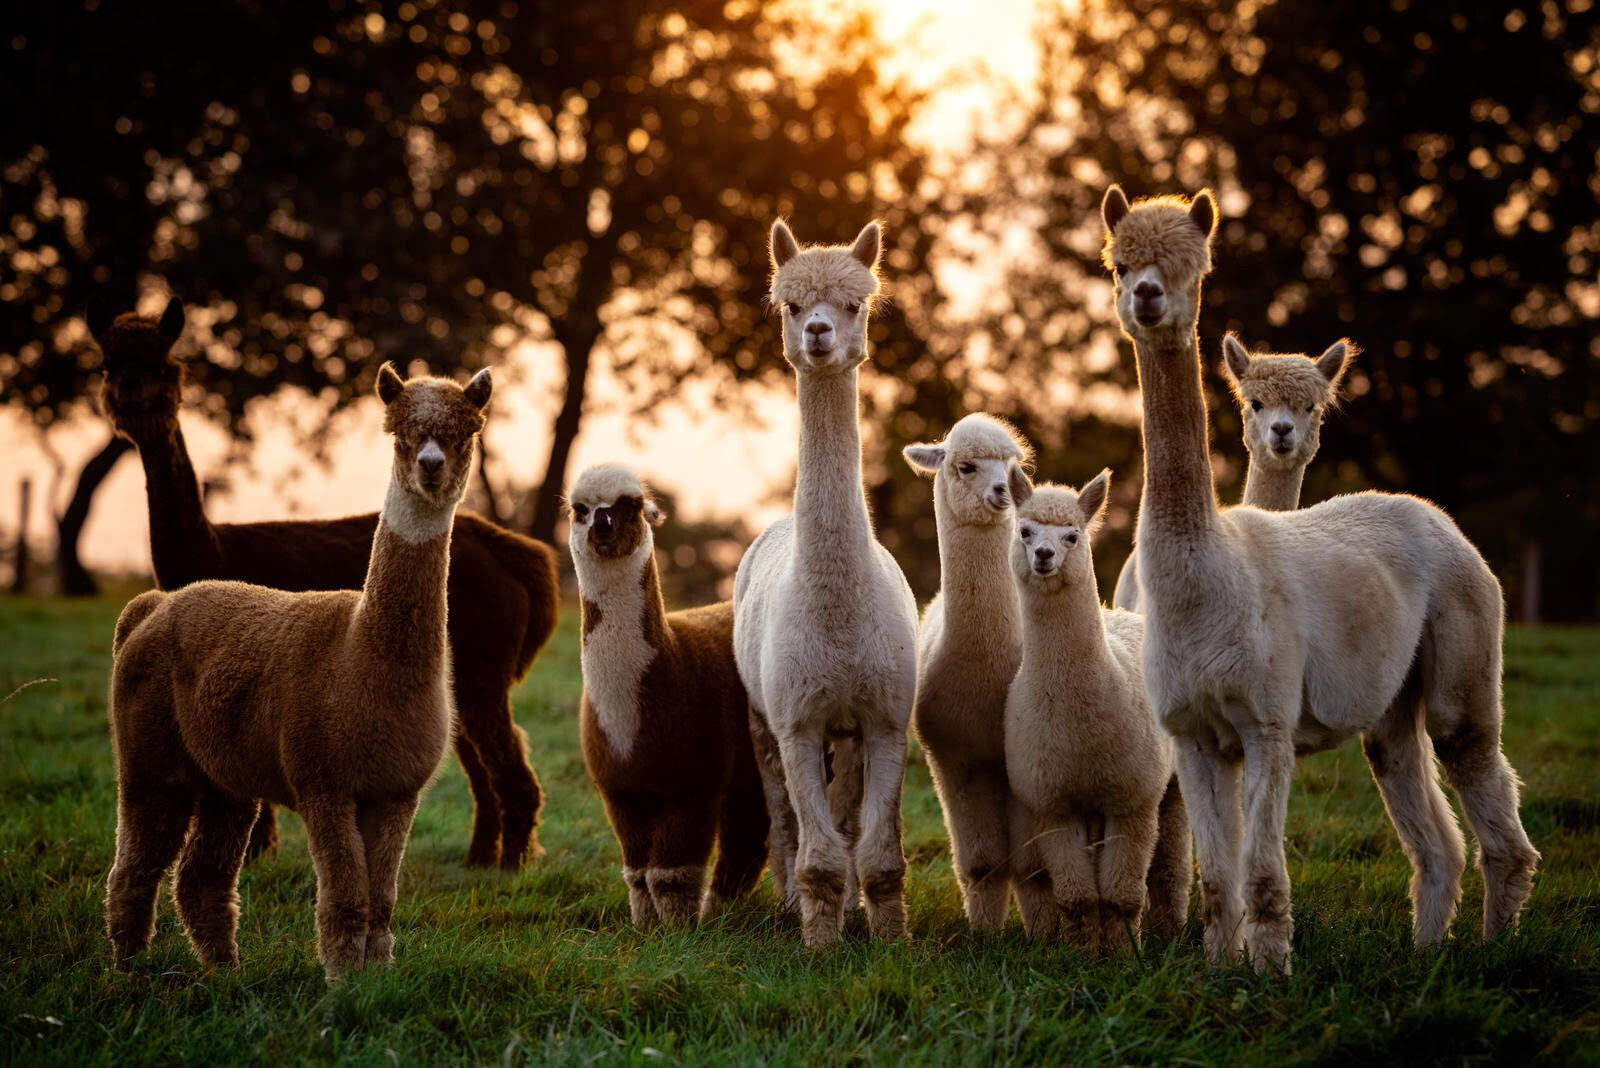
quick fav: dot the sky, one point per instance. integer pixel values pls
(958, 48)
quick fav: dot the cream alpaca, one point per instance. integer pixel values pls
(1268, 633)
(968, 651)
(825, 624)
(1282, 400)
(1086, 760)
(337, 704)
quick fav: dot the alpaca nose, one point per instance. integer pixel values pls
(603, 523)
(817, 328)
(1283, 430)
(1044, 554)
(1148, 290)
(998, 493)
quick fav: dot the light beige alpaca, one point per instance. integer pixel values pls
(1085, 757)
(1282, 399)
(1268, 633)
(968, 652)
(336, 704)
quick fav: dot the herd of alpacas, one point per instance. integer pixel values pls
(1084, 756)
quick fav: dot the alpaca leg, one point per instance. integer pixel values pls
(741, 842)
(1030, 879)
(1461, 688)
(880, 854)
(821, 860)
(974, 802)
(385, 827)
(633, 819)
(1069, 858)
(1171, 875)
(846, 781)
(1126, 849)
(483, 849)
(1210, 787)
(151, 822)
(504, 749)
(263, 834)
(207, 885)
(1268, 770)
(680, 846)
(785, 825)
(339, 856)
(1401, 758)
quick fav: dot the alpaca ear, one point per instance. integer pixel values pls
(97, 316)
(782, 244)
(1113, 207)
(924, 459)
(479, 388)
(1018, 483)
(1234, 357)
(868, 246)
(171, 325)
(1203, 210)
(1333, 362)
(389, 383)
(1093, 499)
(653, 513)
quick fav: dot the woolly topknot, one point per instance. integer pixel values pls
(823, 272)
(1053, 505)
(607, 483)
(1282, 379)
(435, 406)
(1164, 231)
(981, 436)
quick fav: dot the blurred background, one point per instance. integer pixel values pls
(578, 194)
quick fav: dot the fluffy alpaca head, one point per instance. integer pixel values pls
(969, 467)
(435, 424)
(824, 294)
(143, 382)
(612, 512)
(1284, 397)
(1054, 525)
(1158, 249)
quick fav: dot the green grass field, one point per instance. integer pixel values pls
(544, 967)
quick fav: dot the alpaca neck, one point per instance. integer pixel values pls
(1065, 633)
(980, 598)
(1179, 499)
(832, 532)
(624, 630)
(183, 544)
(1274, 488)
(403, 598)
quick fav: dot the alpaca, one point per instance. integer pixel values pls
(1272, 633)
(336, 704)
(1087, 761)
(665, 723)
(1282, 400)
(503, 587)
(968, 650)
(825, 625)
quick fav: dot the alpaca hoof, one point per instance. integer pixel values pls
(820, 932)
(518, 859)
(1271, 958)
(477, 858)
(380, 947)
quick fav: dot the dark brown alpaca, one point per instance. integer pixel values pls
(503, 587)
(335, 703)
(665, 734)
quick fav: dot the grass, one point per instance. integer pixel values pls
(543, 966)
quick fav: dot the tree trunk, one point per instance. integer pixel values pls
(75, 581)
(547, 503)
(19, 580)
(492, 508)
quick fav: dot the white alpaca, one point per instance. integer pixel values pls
(1268, 633)
(1282, 399)
(1086, 759)
(968, 652)
(824, 621)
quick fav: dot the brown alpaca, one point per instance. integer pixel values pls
(335, 703)
(503, 587)
(665, 733)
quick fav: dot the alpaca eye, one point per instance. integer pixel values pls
(853, 309)
(1026, 532)
(580, 512)
(793, 308)
(1117, 271)
(1311, 408)
(966, 469)
(1255, 406)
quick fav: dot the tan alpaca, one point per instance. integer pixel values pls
(1282, 401)
(665, 725)
(337, 704)
(968, 650)
(1085, 757)
(1271, 633)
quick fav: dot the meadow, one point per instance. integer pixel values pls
(543, 967)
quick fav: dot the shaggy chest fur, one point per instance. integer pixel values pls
(617, 652)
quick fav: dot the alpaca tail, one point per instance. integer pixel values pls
(134, 613)
(533, 564)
